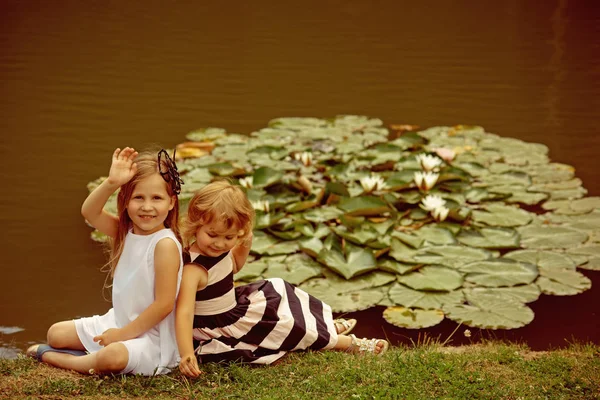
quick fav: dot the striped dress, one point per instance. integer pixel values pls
(258, 322)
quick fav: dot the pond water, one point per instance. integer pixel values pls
(80, 79)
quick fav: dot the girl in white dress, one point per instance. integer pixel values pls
(256, 323)
(137, 335)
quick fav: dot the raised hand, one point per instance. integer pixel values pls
(123, 166)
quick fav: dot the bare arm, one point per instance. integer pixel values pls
(166, 266)
(122, 170)
(194, 278)
(240, 253)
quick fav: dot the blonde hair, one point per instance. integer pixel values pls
(147, 164)
(218, 201)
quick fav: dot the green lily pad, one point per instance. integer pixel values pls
(499, 272)
(407, 297)
(393, 266)
(265, 176)
(562, 282)
(488, 311)
(296, 269)
(412, 318)
(323, 214)
(364, 205)
(590, 255)
(542, 258)
(450, 256)
(354, 262)
(253, 270)
(433, 278)
(522, 293)
(490, 238)
(502, 215)
(551, 237)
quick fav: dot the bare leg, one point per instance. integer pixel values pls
(112, 358)
(63, 335)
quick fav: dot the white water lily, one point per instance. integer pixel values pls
(440, 213)
(304, 157)
(247, 182)
(260, 205)
(428, 162)
(371, 183)
(431, 202)
(445, 154)
(425, 180)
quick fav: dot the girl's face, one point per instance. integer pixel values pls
(215, 239)
(149, 205)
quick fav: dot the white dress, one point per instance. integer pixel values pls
(155, 351)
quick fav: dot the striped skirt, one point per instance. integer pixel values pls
(271, 318)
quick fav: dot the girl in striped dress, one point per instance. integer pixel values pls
(256, 323)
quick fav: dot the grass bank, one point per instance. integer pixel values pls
(488, 371)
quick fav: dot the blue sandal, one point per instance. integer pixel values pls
(37, 352)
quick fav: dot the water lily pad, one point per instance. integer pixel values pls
(451, 256)
(522, 293)
(502, 215)
(407, 297)
(499, 272)
(551, 237)
(562, 282)
(589, 253)
(412, 318)
(542, 258)
(253, 270)
(265, 176)
(364, 205)
(490, 238)
(343, 302)
(488, 311)
(296, 269)
(354, 262)
(432, 278)
(322, 214)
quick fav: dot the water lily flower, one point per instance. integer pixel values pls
(371, 183)
(467, 333)
(304, 157)
(440, 213)
(247, 182)
(431, 202)
(445, 154)
(260, 205)
(425, 180)
(428, 162)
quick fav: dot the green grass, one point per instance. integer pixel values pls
(490, 371)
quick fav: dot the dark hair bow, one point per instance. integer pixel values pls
(168, 170)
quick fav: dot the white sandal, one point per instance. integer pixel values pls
(365, 345)
(347, 325)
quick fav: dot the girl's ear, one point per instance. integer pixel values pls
(173, 200)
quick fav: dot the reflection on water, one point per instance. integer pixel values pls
(80, 79)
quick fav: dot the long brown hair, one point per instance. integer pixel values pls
(220, 201)
(147, 164)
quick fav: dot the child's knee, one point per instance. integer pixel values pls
(59, 334)
(112, 358)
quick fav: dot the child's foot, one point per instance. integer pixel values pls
(364, 345)
(37, 351)
(344, 326)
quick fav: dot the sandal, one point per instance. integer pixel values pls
(347, 325)
(37, 350)
(365, 345)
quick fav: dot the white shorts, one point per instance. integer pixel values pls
(144, 351)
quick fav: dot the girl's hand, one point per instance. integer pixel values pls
(189, 366)
(122, 168)
(109, 336)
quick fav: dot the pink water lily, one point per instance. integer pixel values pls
(445, 154)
